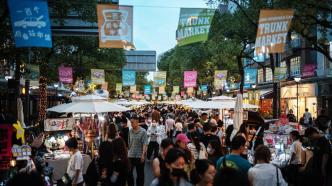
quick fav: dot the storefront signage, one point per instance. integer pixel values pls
(21, 152)
(128, 78)
(30, 23)
(190, 78)
(220, 77)
(97, 76)
(304, 90)
(115, 26)
(309, 70)
(59, 124)
(272, 30)
(5, 146)
(66, 74)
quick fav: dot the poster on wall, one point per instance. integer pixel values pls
(128, 78)
(58, 124)
(194, 25)
(30, 23)
(159, 78)
(115, 26)
(5, 146)
(220, 77)
(190, 78)
(272, 30)
(98, 76)
(66, 74)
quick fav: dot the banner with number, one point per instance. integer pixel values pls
(66, 74)
(30, 23)
(128, 78)
(147, 89)
(159, 79)
(97, 76)
(190, 78)
(220, 78)
(118, 88)
(194, 25)
(272, 30)
(57, 124)
(280, 73)
(176, 89)
(115, 26)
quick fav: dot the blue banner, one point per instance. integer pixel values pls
(128, 78)
(147, 89)
(204, 88)
(30, 22)
(250, 76)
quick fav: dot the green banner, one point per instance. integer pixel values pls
(194, 25)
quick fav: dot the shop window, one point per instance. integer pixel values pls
(268, 74)
(295, 66)
(260, 76)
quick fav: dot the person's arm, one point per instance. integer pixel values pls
(156, 167)
(145, 143)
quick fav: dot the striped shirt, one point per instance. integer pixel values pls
(135, 143)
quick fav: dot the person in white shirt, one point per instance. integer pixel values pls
(264, 173)
(169, 126)
(75, 164)
(296, 157)
(156, 133)
(307, 118)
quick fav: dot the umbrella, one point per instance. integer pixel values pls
(88, 98)
(222, 98)
(238, 115)
(217, 105)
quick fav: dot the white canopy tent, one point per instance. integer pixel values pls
(222, 98)
(131, 103)
(217, 105)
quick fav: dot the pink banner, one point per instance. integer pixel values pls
(309, 70)
(66, 74)
(190, 78)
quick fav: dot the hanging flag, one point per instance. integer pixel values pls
(204, 88)
(133, 89)
(97, 76)
(32, 73)
(190, 78)
(104, 86)
(250, 76)
(161, 90)
(147, 89)
(280, 73)
(176, 89)
(128, 78)
(190, 90)
(159, 79)
(272, 30)
(115, 26)
(220, 77)
(30, 23)
(65, 74)
(194, 25)
(118, 88)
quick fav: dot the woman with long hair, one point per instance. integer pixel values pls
(197, 148)
(203, 174)
(120, 163)
(244, 132)
(214, 151)
(174, 173)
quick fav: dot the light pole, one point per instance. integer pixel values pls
(297, 80)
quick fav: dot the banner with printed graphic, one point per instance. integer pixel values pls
(162, 90)
(97, 76)
(65, 74)
(272, 30)
(115, 26)
(176, 89)
(133, 89)
(194, 25)
(147, 89)
(309, 70)
(30, 23)
(190, 78)
(190, 90)
(280, 73)
(118, 88)
(220, 78)
(59, 124)
(128, 78)
(204, 88)
(250, 76)
(159, 79)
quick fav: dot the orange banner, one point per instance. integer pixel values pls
(115, 26)
(272, 30)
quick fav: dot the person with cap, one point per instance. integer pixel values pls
(182, 143)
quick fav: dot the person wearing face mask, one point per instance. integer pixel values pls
(159, 162)
(173, 174)
(203, 174)
(214, 151)
(155, 134)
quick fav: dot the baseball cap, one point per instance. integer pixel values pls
(183, 138)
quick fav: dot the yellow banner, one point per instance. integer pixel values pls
(118, 88)
(272, 30)
(115, 26)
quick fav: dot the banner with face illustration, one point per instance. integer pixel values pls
(220, 77)
(190, 78)
(115, 26)
(97, 76)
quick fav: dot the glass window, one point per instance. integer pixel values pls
(260, 75)
(295, 66)
(268, 74)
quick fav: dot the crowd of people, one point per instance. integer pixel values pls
(188, 148)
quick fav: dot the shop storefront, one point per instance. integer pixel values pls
(307, 98)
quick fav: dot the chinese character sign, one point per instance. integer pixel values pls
(118, 88)
(190, 78)
(128, 78)
(66, 74)
(250, 76)
(30, 23)
(147, 89)
(159, 79)
(272, 30)
(220, 77)
(97, 76)
(59, 124)
(194, 25)
(115, 26)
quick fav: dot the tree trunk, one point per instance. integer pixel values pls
(241, 72)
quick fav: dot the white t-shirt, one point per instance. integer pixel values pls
(265, 174)
(75, 163)
(296, 148)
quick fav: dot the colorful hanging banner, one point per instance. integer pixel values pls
(204, 88)
(97, 76)
(32, 73)
(309, 70)
(220, 77)
(118, 88)
(133, 89)
(162, 90)
(194, 25)
(30, 23)
(190, 90)
(190, 78)
(115, 26)
(176, 89)
(104, 86)
(250, 76)
(128, 78)
(6, 144)
(66, 74)
(159, 79)
(280, 73)
(272, 30)
(147, 89)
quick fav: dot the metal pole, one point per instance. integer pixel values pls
(297, 101)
